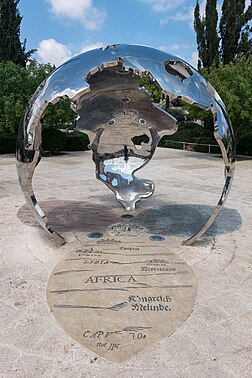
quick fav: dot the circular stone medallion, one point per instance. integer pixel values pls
(117, 300)
(126, 229)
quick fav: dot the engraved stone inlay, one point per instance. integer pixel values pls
(126, 229)
(118, 298)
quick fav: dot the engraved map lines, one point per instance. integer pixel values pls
(117, 298)
(114, 278)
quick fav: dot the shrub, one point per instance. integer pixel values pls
(7, 143)
(168, 143)
(188, 132)
(207, 141)
(244, 145)
(53, 140)
(140, 139)
(177, 102)
(76, 141)
(177, 113)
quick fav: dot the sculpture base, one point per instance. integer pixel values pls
(118, 297)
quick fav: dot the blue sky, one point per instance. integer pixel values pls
(60, 29)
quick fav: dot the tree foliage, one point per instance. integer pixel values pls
(233, 78)
(17, 86)
(11, 48)
(200, 37)
(245, 45)
(212, 39)
(232, 21)
(15, 93)
(233, 82)
(148, 84)
(234, 37)
(60, 115)
(206, 33)
(37, 73)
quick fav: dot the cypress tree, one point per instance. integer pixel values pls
(245, 45)
(206, 32)
(199, 29)
(211, 36)
(11, 48)
(232, 21)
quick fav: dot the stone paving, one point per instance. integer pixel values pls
(216, 339)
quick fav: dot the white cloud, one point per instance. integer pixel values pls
(91, 46)
(202, 8)
(94, 18)
(80, 10)
(218, 7)
(72, 9)
(180, 52)
(247, 4)
(163, 5)
(176, 47)
(51, 51)
(194, 59)
(186, 15)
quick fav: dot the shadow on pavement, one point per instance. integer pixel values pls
(171, 219)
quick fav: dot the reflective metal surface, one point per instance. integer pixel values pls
(113, 114)
(103, 85)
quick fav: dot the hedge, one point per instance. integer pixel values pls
(244, 145)
(178, 114)
(140, 139)
(53, 140)
(7, 143)
(76, 141)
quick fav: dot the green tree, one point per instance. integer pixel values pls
(212, 39)
(206, 34)
(148, 84)
(245, 45)
(234, 18)
(17, 86)
(200, 37)
(233, 82)
(235, 32)
(14, 83)
(11, 48)
(206, 117)
(38, 72)
(59, 116)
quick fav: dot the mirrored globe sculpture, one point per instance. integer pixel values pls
(112, 109)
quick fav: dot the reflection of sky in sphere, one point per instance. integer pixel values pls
(120, 166)
(69, 80)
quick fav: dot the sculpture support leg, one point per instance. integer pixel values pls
(229, 173)
(25, 174)
(216, 212)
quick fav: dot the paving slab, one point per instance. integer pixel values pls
(216, 338)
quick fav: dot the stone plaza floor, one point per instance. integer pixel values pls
(214, 341)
